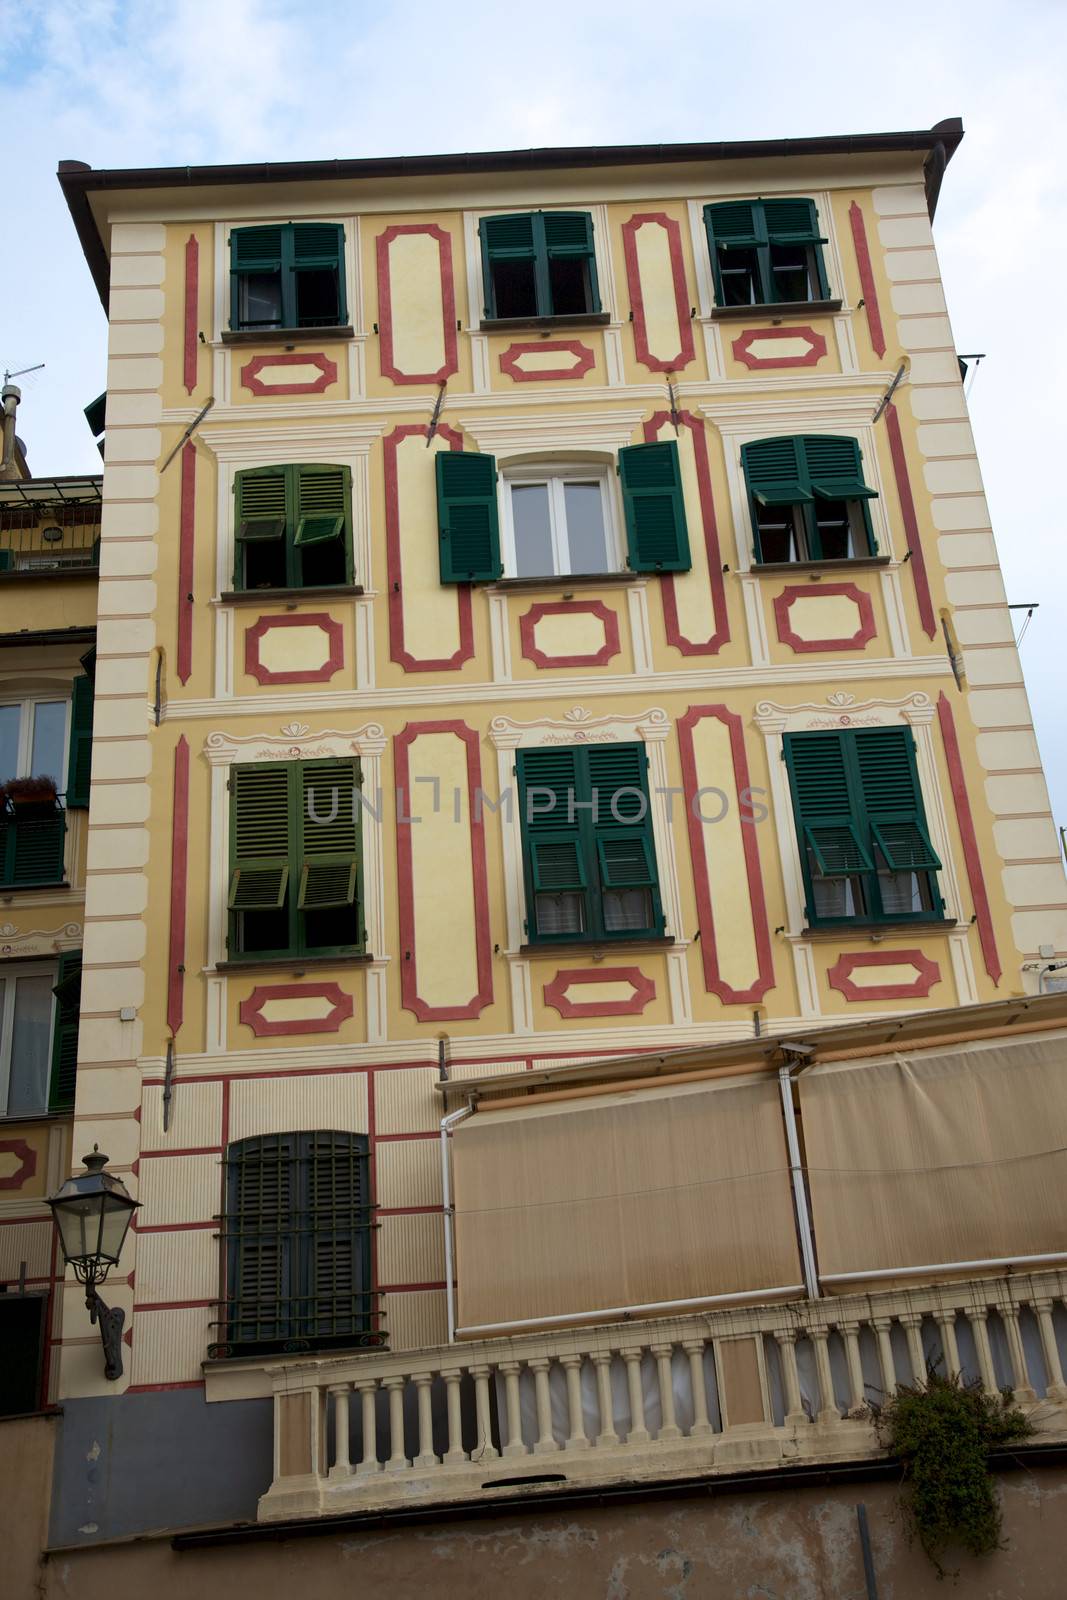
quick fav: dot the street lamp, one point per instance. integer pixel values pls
(92, 1213)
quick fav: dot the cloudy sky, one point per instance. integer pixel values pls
(147, 83)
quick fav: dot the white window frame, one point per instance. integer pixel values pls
(556, 473)
(26, 727)
(11, 972)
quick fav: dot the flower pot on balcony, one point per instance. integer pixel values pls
(32, 793)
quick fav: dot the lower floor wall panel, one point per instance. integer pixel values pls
(788, 1543)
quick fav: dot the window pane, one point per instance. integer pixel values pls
(586, 536)
(560, 913)
(791, 272)
(836, 542)
(781, 531)
(533, 530)
(568, 279)
(48, 757)
(739, 272)
(836, 897)
(627, 909)
(31, 1041)
(10, 717)
(514, 289)
(317, 304)
(904, 892)
(259, 300)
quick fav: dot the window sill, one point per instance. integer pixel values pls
(576, 580)
(286, 336)
(294, 964)
(892, 928)
(784, 308)
(584, 319)
(259, 597)
(596, 948)
(18, 888)
(50, 575)
(848, 564)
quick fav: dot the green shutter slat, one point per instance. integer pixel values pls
(62, 1078)
(327, 883)
(330, 814)
(260, 813)
(317, 243)
(838, 849)
(258, 888)
(731, 223)
(509, 235)
(906, 846)
(255, 249)
(791, 221)
(887, 770)
(774, 465)
(834, 466)
(80, 747)
(817, 774)
(553, 770)
(556, 863)
(656, 530)
(33, 849)
(568, 232)
(617, 777)
(626, 860)
(323, 502)
(467, 517)
(261, 504)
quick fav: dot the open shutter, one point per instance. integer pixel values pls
(835, 468)
(570, 233)
(893, 800)
(507, 238)
(323, 504)
(656, 531)
(260, 834)
(335, 1268)
(79, 758)
(831, 834)
(319, 247)
(260, 498)
(791, 222)
(730, 226)
(775, 472)
(253, 251)
(625, 847)
(329, 868)
(467, 517)
(550, 789)
(67, 991)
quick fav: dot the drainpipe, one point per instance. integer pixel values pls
(447, 1124)
(796, 1058)
(10, 396)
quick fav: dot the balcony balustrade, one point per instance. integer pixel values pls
(723, 1392)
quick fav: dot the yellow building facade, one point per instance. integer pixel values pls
(484, 486)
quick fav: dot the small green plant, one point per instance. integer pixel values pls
(943, 1430)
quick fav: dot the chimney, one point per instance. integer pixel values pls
(10, 395)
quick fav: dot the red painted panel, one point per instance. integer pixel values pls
(27, 1159)
(972, 855)
(686, 351)
(859, 640)
(250, 373)
(556, 995)
(250, 1011)
(398, 650)
(186, 546)
(191, 344)
(742, 348)
(320, 619)
(179, 862)
(409, 973)
(385, 304)
(721, 634)
(911, 522)
(927, 973)
(709, 949)
(867, 284)
(593, 608)
(584, 360)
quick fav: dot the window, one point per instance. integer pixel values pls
(295, 870)
(864, 847)
(766, 252)
(39, 1007)
(297, 1231)
(808, 499)
(588, 850)
(539, 264)
(22, 1338)
(558, 519)
(44, 744)
(288, 276)
(293, 527)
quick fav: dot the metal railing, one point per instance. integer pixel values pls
(43, 549)
(32, 843)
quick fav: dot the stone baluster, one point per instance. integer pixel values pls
(794, 1407)
(669, 1428)
(694, 1349)
(577, 1438)
(1025, 1394)
(850, 1333)
(546, 1444)
(367, 1390)
(485, 1450)
(398, 1461)
(342, 1466)
(1057, 1389)
(829, 1411)
(912, 1323)
(455, 1452)
(425, 1457)
(882, 1326)
(514, 1446)
(980, 1329)
(638, 1433)
(607, 1435)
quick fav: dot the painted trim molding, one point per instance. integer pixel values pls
(27, 1158)
(927, 973)
(251, 380)
(186, 551)
(250, 1011)
(867, 283)
(190, 342)
(389, 368)
(409, 970)
(557, 608)
(309, 619)
(713, 982)
(585, 360)
(179, 883)
(742, 348)
(398, 650)
(911, 522)
(972, 855)
(784, 602)
(686, 349)
(668, 581)
(555, 993)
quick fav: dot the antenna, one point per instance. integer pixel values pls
(21, 373)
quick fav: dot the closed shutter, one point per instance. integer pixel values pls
(33, 848)
(337, 1229)
(625, 848)
(80, 755)
(262, 1289)
(256, 249)
(892, 799)
(322, 504)
(65, 1032)
(822, 802)
(329, 868)
(467, 517)
(260, 835)
(791, 221)
(553, 850)
(656, 532)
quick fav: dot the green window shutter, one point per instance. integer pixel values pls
(731, 225)
(33, 849)
(336, 1257)
(261, 506)
(260, 1231)
(838, 849)
(79, 759)
(323, 504)
(507, 238)
(317, 247)
(625, 847)
(835, 467)
(65, 1032)
(656, 531)
(776, 472)
(831, 832)
(260, 831)
(893, 800)
(467, 517)
(252, 250)
(570, 233)
(553, 773)
(791, 221)
(330, 860)
(626, 860)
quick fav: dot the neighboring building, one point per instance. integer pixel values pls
(555, 501)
